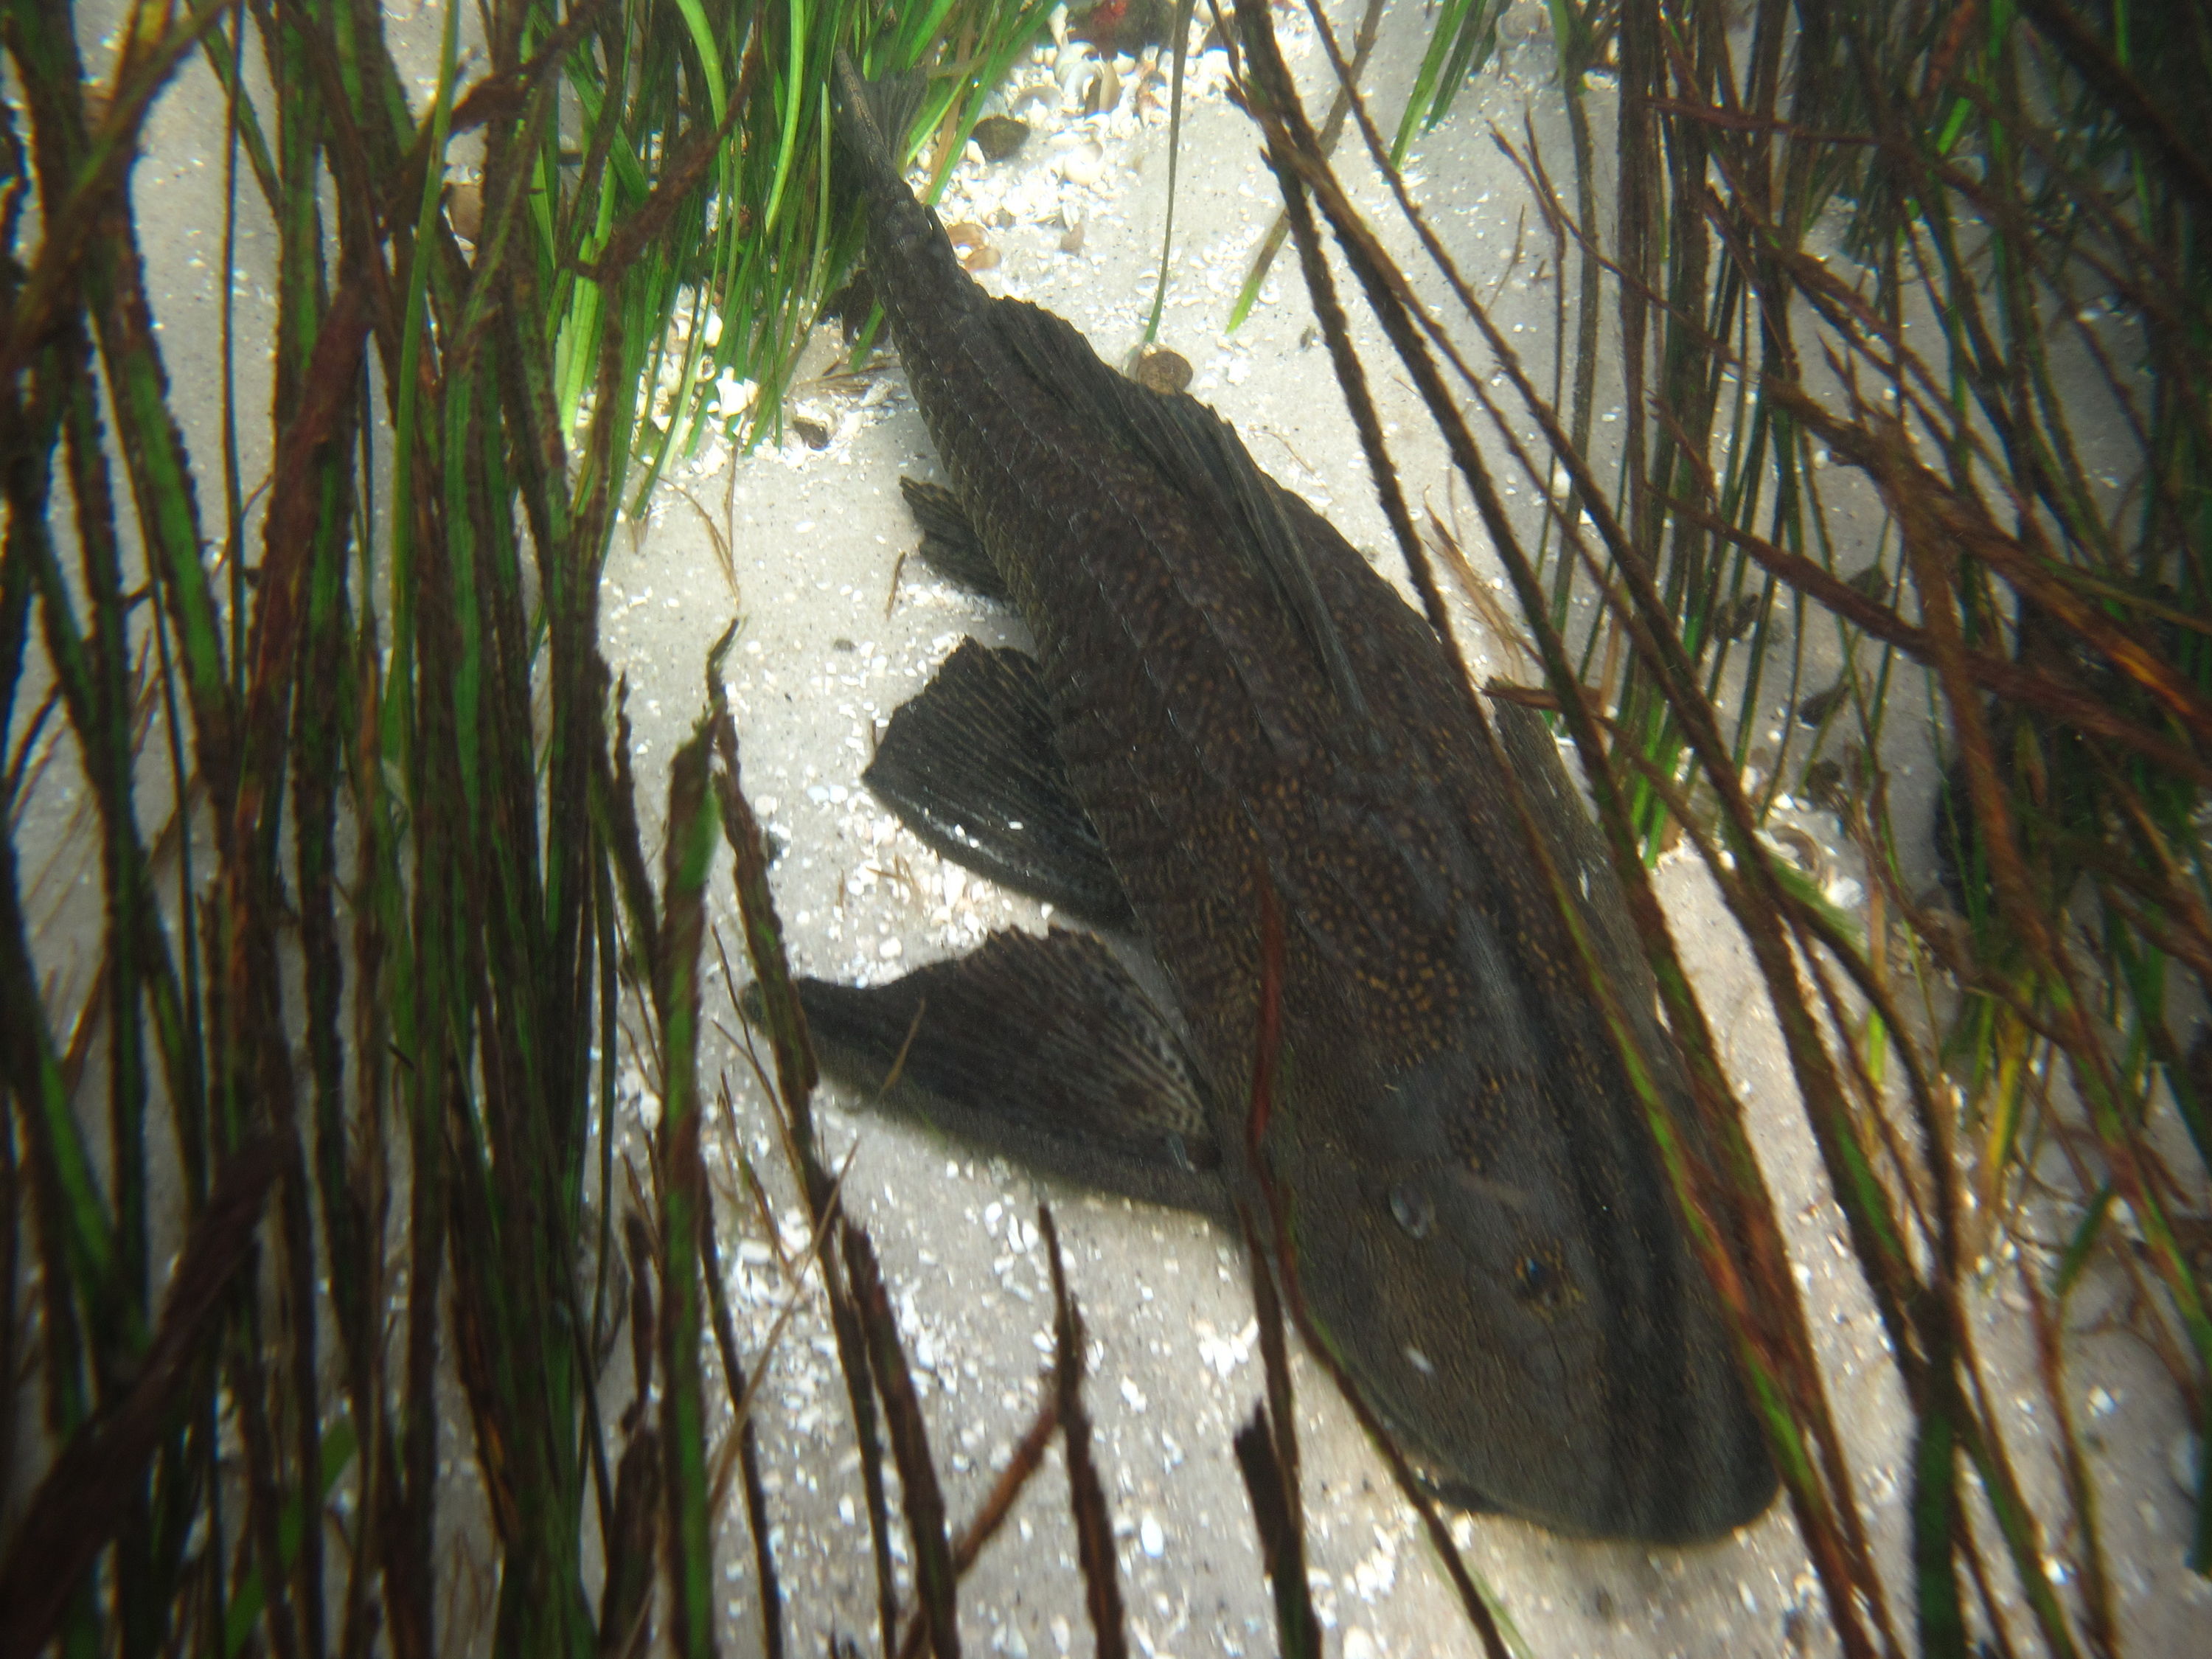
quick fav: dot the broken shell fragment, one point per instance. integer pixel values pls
(1103, 95)
(464, 209)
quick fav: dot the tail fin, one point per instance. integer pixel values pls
(873, 118)
(910, 261)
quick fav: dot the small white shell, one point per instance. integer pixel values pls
(1082, 164)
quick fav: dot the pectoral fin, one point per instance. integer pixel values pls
(1042, 1049)
(971, 768)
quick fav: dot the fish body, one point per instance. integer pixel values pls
(1244, 713)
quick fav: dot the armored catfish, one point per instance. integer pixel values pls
(1227, 708)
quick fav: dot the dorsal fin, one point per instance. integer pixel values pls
(1201, 456)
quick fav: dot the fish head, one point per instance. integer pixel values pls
(1494, 1258)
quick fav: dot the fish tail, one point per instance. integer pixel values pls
(873, 118)
(912, 264)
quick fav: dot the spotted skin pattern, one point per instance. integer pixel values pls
(1481, 1227)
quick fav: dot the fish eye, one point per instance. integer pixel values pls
(1413, 1209)
(1536, 1280)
